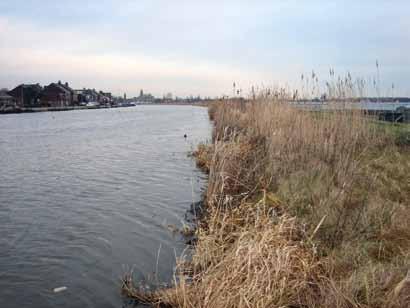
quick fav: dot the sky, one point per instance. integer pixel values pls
(190, 47)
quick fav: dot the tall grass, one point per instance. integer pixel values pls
(304, 209)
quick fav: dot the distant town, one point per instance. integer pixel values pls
(60, 96)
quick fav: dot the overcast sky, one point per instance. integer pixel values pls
(201, 47)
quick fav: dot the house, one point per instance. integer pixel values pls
(80, 97)
(91, 96)
(105, 98)
(7, 102)
(27, 95)
(107, 94)
(58, 95)
(85, 96)
(74, 97)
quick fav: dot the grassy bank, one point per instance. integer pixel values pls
(303, 209)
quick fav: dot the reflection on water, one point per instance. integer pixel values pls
(84, 193)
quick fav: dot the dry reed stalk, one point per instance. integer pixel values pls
(304, 209)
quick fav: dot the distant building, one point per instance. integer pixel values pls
(27, 95)
(85, 96)
(74, 97)
(91, 95)
(80, 96)
(58, 95)
(145, 98)
(105, 98)
(107, 94)
(7, 102)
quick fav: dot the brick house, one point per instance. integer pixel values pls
(27, 95)
(7, 102)
(58, 95)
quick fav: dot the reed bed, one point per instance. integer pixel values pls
(304, 209)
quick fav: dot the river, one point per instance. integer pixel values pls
(87, 195)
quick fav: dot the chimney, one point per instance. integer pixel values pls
(66, 84)
(59, 82)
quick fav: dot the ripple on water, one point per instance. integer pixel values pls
(86, 194)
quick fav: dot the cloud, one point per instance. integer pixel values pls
(52, 55)
(188, 46)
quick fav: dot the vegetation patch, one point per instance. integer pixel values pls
(302, 210)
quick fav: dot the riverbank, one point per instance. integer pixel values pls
(302, 210)
(50, 109)
(70, 108)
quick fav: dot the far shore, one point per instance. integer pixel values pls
(70, 108)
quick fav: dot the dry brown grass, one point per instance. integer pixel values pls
(203, 155)
(303, 210)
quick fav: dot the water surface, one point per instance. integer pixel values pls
(84, 195)
(375, 106)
